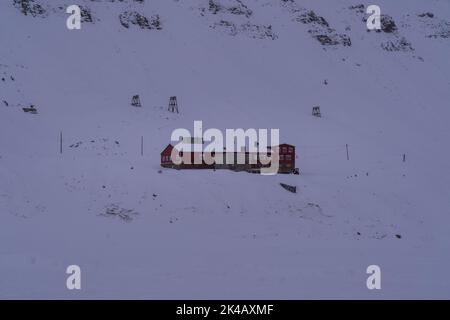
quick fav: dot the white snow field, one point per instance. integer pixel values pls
(221, 234)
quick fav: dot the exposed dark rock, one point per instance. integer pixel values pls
(259, 31)
(345, 40)
(29, 7)
(311, 17)
(214, 7)
(114, 210)
(334, 39)
(321, 31)
(128, 18)
(442, 30)
(31, 109)
(86, 15)
(238, 9)
(76, 145)
(228, 25)
(398, 45)
(388, 24)
(359, 8)
(426, 15)
(252, 30)
(326, 40)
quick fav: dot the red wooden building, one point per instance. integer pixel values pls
(248, 161)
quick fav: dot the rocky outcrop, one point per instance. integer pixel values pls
(320, 29)
(234, 17)
(129, 18)
(29, 8)
(401, 44)
(251, 30)
(236, 7)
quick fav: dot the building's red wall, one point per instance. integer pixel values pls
(287, 156)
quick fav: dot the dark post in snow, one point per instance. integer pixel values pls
(60, 142)
(142, 145)
(346, 147)
(404, 157)
(173, 104)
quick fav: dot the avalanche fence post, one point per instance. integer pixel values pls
(346, 147)
(61, 142)
(142, 145)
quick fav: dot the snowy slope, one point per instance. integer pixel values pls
(247, 64)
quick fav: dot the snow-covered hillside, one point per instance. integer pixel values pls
(140, 231)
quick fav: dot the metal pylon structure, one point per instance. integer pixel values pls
(173, 105)
(136, 101)
(316, 112)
